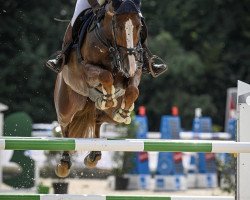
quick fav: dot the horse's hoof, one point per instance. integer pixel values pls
(107, 100)
(104, 103)
(62, 169)
(131, 108)
(91, 161)
(128, 120)
(101, 104)
(115, 102)
(110, 103)
(122, 115)
(118, 117)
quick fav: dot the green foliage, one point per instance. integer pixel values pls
(182, 85)
(205, 43)
(28, 35)
(228, 173)
(205, 46)
(20, 125)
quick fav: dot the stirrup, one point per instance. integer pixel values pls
(152, 62)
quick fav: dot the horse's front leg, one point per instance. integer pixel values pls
(95, 77)
(130, 96)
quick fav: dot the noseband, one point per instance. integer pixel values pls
(115, 51)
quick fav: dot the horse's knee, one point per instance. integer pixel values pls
(132, 92)
(106, 78)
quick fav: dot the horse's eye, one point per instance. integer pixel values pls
(138, 25)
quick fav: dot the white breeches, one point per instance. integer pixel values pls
(82, 5)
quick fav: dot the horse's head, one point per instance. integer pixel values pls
(125, 22)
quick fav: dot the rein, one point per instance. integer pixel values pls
(115, 50)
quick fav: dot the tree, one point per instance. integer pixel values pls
(29, 35)
(206, 44)
(217, 32)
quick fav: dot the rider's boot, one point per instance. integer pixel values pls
(57, 63)
(152, 64)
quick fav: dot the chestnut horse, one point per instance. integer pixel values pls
(104, 86)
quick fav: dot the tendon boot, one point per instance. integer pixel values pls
(56, 64)
(152, 64)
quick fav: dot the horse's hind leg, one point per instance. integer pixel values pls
(63, 168)
(93, 157)
(67, 103)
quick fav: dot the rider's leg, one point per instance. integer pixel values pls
(149, 60)
(57, 63)
(80, 6)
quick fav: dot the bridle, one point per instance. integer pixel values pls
(115, 51)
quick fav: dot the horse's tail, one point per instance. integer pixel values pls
(83, 123)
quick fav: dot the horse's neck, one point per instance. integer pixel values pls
(106, 26)
(94, 51)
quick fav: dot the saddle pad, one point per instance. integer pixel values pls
(86, 21)
(82, 23)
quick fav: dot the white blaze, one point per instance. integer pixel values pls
(130, 44)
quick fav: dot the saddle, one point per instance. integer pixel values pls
(85, 22)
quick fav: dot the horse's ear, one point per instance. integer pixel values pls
(110, 13)
(116, 4)
(110, 9)
(137, 2)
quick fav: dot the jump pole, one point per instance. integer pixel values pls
(2, 109)
(126, 145)
(102, 197)
(241, 146)
(243, 135)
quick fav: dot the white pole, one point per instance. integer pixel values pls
(243, 160)
(2, 108)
